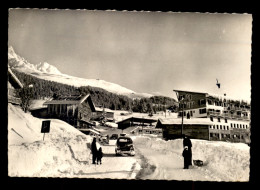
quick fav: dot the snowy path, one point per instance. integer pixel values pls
(116, 167)
(169, 166)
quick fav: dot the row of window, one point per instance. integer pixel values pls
(221, 127)
(238, 126)
(232, 125)
(212, 119)
(210, 102)
(226, 135)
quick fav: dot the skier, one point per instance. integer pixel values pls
(99, 155)
(187, 142)
(94, 150)
(186, 155)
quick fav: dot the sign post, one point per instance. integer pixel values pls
(45, 127)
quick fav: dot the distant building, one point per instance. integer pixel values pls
(105, 112)
(135, 121)
(229, 119)
(75, 110)
(196, 128)
(13, 85)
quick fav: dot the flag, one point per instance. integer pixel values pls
(218, 84)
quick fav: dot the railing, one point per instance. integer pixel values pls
(227, 115)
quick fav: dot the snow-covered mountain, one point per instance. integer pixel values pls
(48, 72)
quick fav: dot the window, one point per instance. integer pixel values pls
(217, 127)
(224, 127)
(188, 96)
(211, 134)
(218, 119)
(202, 102)
(225, 120)
(211, 119)
(227, 128)
(240, 126)
(210, 102)
(202, 111)
(231, 125)
(220, 126)
(191, 114)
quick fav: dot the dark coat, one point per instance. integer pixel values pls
(187, 142)
(94, 147)
(99, 153)
(187, 157)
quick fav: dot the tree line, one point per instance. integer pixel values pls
(40, 89)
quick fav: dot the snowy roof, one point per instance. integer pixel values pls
(101, 109)
(14, 80)
(138, 119)
(67, 100)
(178, 121)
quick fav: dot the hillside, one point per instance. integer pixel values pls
(48, 72)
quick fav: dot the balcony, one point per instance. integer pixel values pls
(227, 115)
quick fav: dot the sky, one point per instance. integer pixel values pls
(151, 52)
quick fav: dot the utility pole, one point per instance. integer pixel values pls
(182, 105)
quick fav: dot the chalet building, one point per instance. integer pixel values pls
(78, 111)
(13, 85)
(229, 118)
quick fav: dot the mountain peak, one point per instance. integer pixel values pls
(15, 61)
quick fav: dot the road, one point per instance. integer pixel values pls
(169, 166)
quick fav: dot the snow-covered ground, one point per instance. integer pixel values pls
(65, 153)
(222, 161)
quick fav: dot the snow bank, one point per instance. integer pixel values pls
(29, 155)
(65, 151)
(229, 160)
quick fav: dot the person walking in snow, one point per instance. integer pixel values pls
(99, 155)
(186, 155)
(94, 150)
(187, 142)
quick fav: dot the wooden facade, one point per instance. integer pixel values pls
(173, 130)
(75, 110)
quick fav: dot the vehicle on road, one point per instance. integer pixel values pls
(114, 136)
(124, 145)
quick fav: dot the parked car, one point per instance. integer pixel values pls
(124, 145)
(104, 139)
(114, 136)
